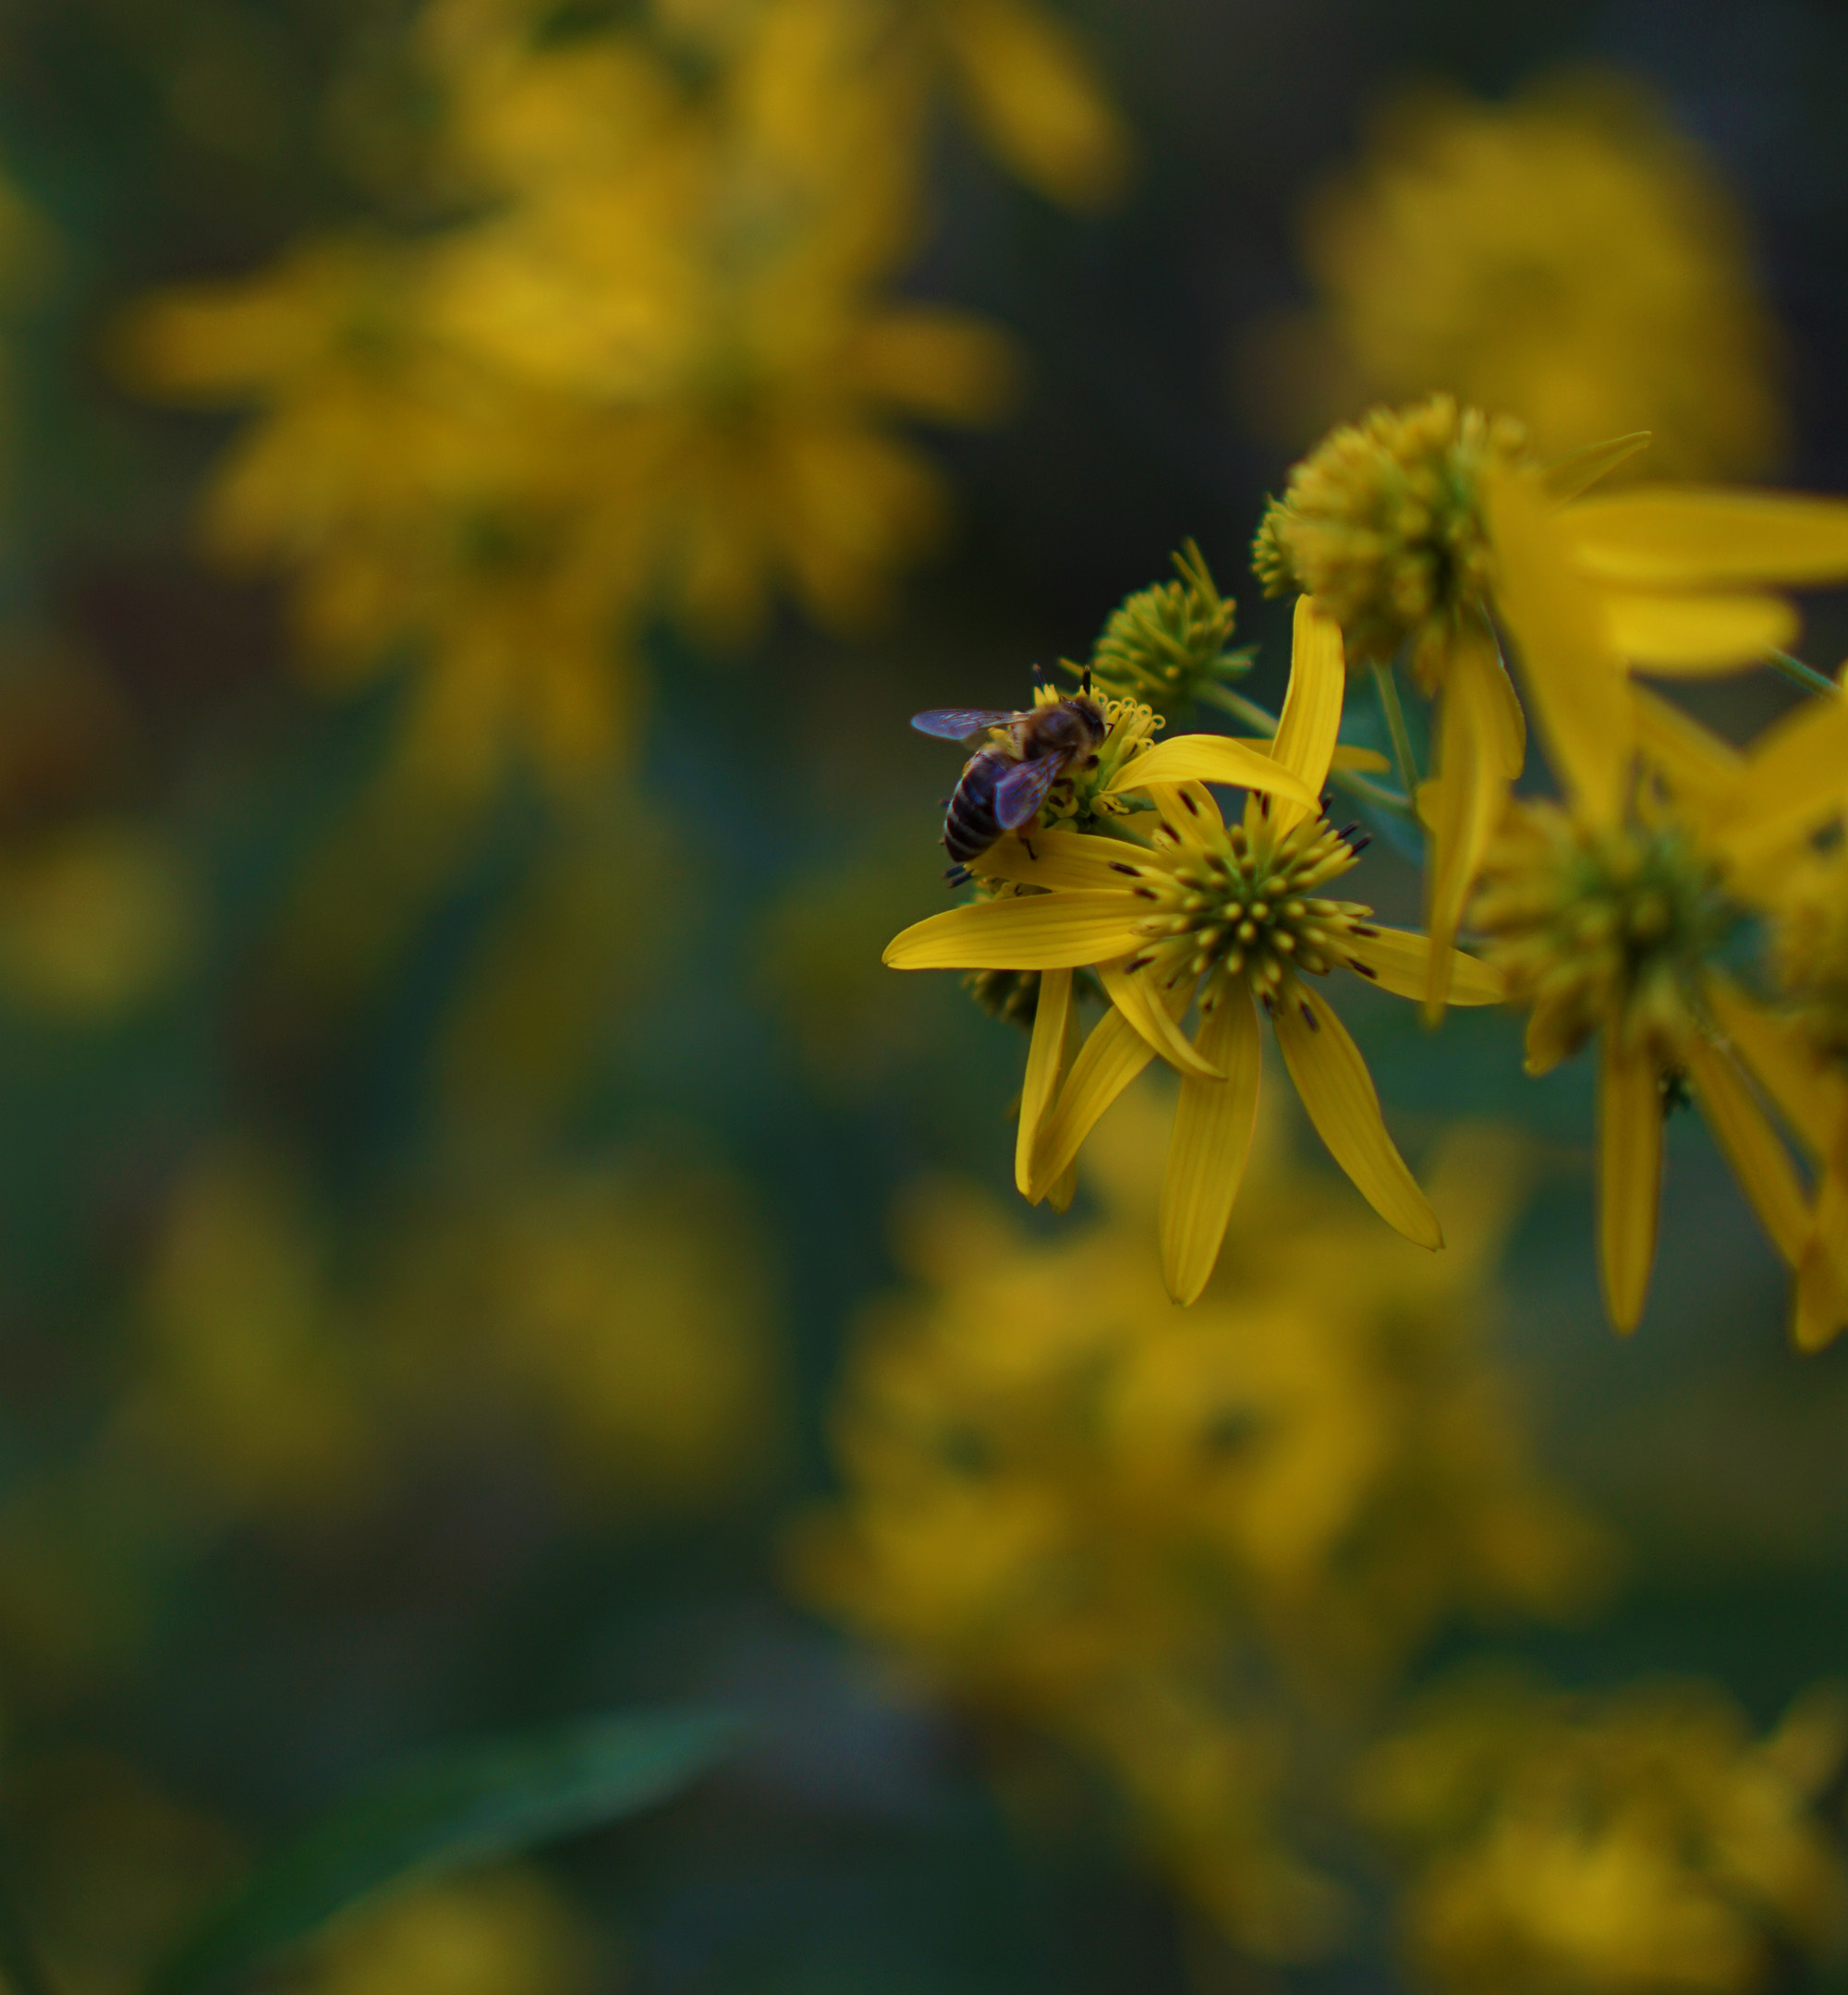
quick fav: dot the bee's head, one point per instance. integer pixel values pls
(1086, 705)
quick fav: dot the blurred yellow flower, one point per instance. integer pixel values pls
(95, 917)
(1117, 1523)
(1640, 1840)
(652, 364)
(621, 1315)
(499, 1932)
(1568, 256)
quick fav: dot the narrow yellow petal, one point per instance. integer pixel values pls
(1211, 1141)
(1793, 779)
(1066, 859)
(1570, 669)
(1311, 716)
(1213, 758)
(1136, 998)
(1113, 1054)
(1060, 1194)
(1629, 1177)
(1564, 478)
(1338, 1092)
(1363, 762)
(1040, 931)
(1699, 537)
(1045, 1056)
(1400, 962)
(1470, 797)
(1695, 635)
(1822, 1275)
(1779, 1059)
(1751, 1147)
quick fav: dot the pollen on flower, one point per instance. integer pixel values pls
(1249, 907)
(1382, 524)
(1592, 927)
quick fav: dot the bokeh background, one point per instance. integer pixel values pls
(485, 484)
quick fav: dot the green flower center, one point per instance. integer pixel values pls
(1247, 907)
(1593, 927)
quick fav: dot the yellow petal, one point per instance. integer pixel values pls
(1311, 716)
(1040, 931)
(1694, 636)
(1045, 1056)
(1757, 1154)
(1695, 537)
(1629, 1177)
(1470, 795)
(1338, 1092)
(1779, 1059)
(1822, 1275)
(1213, 758)
(1572, 676)
(1065, 1189)
(1793, 779)
(1068, 860)
(1112, 1057)
(1363, 762)
(1564, 478)
(1132, 995)
(1211, 1141)
(1400, 962)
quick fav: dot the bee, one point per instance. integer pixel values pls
(1004, 784)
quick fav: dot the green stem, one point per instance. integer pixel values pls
(1799, 673)
(1387, 687)
(1352, 781)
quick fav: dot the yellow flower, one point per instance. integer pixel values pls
(1643, 1839)
(1234, 914)
(1568, 256)
(1608, 915)
(1397, 526)
(1187, 1546)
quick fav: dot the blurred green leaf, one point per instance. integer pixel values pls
(466, 1806)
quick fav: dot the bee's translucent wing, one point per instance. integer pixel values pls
(958, 723)
(1023, 789)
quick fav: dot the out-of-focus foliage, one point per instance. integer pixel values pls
(1568, 257)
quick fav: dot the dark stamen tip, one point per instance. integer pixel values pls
(1309, 1019)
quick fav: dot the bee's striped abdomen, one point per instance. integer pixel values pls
(970, 826)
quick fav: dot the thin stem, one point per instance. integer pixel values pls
(1799, 673)
(1387, 687)
(1240, 709)
(1350, 780)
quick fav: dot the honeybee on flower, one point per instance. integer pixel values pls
(1235, 916)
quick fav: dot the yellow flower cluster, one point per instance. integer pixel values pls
(652, 362)
(1191, 1548)
(1643, 1839)
(1568, 255)
(616, 1325)
(1431, 534)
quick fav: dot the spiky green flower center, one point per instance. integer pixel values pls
(1593, 928)
(1382, 524)
(1247, 907)
(1167, 644)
